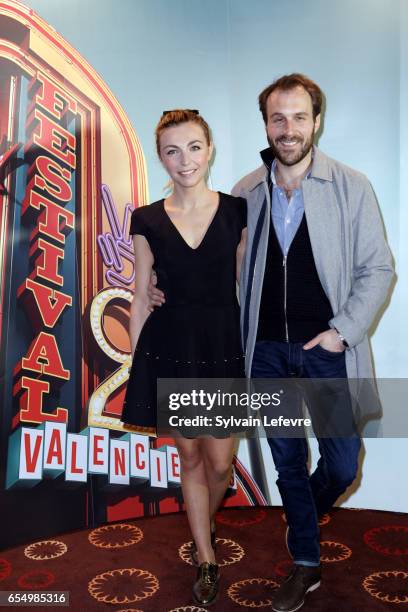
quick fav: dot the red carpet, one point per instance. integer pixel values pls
(140, 565)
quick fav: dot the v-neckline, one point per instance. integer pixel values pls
(206, 231)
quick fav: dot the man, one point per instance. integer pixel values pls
(316, 271)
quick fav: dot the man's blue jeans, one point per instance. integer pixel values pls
(305, 498)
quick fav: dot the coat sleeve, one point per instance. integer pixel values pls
(372, 269)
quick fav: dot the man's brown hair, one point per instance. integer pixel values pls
(288, 82)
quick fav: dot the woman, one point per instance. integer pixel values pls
(194, 240)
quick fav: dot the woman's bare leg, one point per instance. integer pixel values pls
(196, 495)
(218, 454)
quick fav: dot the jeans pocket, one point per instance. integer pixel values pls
(326, 353)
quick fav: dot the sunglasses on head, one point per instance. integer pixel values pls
(189, 110)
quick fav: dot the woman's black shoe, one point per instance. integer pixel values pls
(193, 549)
(205, 588)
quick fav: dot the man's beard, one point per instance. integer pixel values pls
(288, 158)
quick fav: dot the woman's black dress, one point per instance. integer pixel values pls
(195, 334)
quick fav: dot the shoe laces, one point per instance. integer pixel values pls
(208, 572)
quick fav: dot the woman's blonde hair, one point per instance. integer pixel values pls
(177, 117)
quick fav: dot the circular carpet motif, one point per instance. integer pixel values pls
(228, 552)
(121, 586)
(36, 580)
(323, 520)
(188, 609)
(5, 569)
(119, 535)
(45, 550)
(235, 519)
(330, 552)
(252, 592)
(391, 586)
(388, 540)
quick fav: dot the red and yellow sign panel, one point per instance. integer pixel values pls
(71, 172)
(78, 168)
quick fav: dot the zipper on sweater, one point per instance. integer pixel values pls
(285, 289)
(253, 279)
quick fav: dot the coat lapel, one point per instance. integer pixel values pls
(258, 191)
(324, 225)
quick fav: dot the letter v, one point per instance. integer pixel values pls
(50, 302)
(31, 460)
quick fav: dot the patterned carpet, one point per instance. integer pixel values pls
(143, 565)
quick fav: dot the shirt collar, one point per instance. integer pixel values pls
(320, 167)
(272, 173)
(273, 169)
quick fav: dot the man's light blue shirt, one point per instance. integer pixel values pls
(286, 216)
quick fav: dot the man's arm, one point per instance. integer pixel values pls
(241, 253)
(372, 273)
(155, 295)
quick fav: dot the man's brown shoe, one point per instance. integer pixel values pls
(290, 596)
(205, 588)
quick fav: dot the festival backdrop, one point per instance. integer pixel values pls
(72, 170)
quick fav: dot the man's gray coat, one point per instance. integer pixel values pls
(352, 257)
